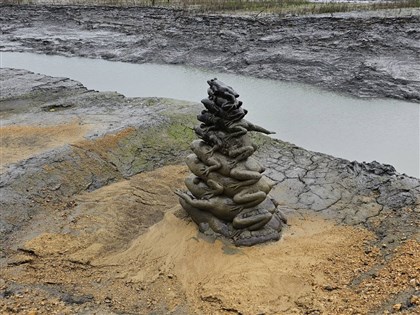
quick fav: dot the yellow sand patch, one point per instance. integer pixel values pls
(275, 278)
(21, 142)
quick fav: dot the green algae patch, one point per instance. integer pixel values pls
(132, 150)
(145, 150)
(181, 128)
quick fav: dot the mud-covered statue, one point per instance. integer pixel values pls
(227, 193)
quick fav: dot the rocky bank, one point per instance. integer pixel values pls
(89, 222)
(362, 54)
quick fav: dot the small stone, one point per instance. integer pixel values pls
(330, 288)
(415, 299)
(170, 276)
(108, 300)
(384, 245)
(413, 282)
(32, 312)
(397, 307)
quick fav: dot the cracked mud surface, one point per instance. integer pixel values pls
(89, 223)
(350, 192)
(375, 55)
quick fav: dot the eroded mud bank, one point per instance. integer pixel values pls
(367, 55)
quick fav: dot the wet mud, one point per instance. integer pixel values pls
(365, 55)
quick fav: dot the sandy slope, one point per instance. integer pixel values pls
(106, 257)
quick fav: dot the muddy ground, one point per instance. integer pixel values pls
(90, 225)
(375, 54)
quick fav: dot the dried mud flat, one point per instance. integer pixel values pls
(89, 223)
(372, 54)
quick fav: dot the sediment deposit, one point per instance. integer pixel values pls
(89, 221)
(373, 54)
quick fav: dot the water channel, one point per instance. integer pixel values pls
(384, 130)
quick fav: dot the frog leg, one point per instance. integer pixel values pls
(243, 174)
(242, 153)
(252, 127)
(215, 189)
(215, 186)
(249, 197)
(253, 222)
(235, 132)
(213, 165)
(244, 183)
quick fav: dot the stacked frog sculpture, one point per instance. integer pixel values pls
(228, 195)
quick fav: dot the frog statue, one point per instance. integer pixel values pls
(227, 193)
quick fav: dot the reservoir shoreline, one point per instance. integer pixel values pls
(363, 55)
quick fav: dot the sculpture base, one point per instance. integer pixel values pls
(269, 229)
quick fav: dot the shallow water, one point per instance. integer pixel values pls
(384, 130)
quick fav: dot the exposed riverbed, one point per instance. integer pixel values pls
(374, 55)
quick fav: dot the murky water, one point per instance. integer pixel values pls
(387, 131)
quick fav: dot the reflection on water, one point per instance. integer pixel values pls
(351, 128)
